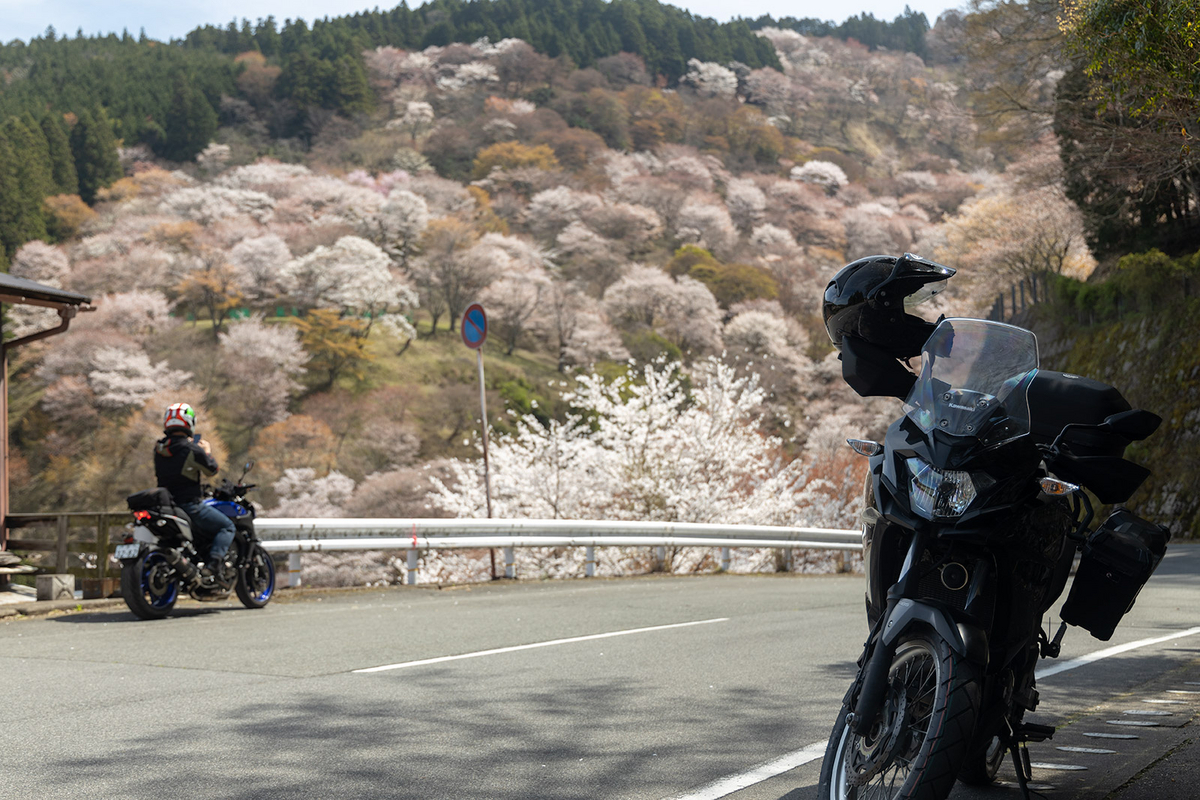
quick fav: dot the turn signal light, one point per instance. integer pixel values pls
(1056, 488)
(141, 516)
(865, 447)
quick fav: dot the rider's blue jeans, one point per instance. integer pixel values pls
(214, 523)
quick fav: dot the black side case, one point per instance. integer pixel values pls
(1118, 559)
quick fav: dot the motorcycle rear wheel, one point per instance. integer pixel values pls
(918, 747)
(256, 578)
(149, 586)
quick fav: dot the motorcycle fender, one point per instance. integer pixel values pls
(968, 641)
(142, 534)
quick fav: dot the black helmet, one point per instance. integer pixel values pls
(868, 297)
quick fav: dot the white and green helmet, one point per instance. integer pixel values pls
(179, 417)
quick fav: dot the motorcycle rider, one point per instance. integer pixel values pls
(181, 460)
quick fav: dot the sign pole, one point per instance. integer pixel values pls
(487, 472)
(474, 334)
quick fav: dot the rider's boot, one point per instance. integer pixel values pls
(216, 570)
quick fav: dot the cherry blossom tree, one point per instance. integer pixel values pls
(259, 366)
(416, 120)
(746, 203)
(302, 494)
(708, 225)
(710, 80)
(822, 173)
(125, 378)
(42, 263)
(354, 276)
(402, 220)
(259, 261)
(683, 309)
(551, 211)
(514, 301)
(643, 448)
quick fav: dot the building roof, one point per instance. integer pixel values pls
(23, 290)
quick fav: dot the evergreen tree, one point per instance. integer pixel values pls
(62, 163)
(10, 202)
(95, 151)
(352, 92)
(191, 122)
(32, 161)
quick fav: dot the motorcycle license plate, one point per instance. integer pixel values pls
(127, 550)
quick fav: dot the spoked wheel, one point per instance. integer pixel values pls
(149, 586)
(256, 578)
(917, 746)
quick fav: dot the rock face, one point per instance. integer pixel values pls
(1155, 361)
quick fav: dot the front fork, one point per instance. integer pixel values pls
(901, 612)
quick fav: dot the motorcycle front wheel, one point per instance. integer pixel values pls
(256, 578)
(916, 748)
(149, 586)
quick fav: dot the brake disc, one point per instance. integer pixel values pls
(869, 755)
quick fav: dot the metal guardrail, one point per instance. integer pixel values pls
(299, 535)
(328, 534)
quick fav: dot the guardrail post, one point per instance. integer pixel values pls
(660, 558)
(102, 545)
(725, 559)
(590, 564)
(61, 562)
(295, 566)
(510, 569)
(788, 559)
(412, 568)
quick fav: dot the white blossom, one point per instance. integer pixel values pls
(206, 204)
(302, 494)
(41, 262)
(709, 79)
(822, 173)
(259, 261)
(124, 377)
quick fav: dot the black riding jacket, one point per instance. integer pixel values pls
(179, 464)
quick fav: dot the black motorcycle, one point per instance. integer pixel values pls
(160, 553)
(975, 509)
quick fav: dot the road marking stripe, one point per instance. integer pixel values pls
(1134, 722)
(1112, 735)
(1074, 663)
(551, 643)
(1062, 767)
(1097, 750)
(734, 783)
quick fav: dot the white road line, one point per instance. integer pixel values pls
(812, 752)
(551, 643)
(1074, 663)
(735, 783)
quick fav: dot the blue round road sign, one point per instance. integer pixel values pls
(474, 327)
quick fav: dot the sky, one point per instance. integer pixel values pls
(23, 19)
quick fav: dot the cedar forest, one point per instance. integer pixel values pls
(282, 223)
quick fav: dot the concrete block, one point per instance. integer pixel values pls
(55, 587)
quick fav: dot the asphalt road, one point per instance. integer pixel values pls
(222, 702)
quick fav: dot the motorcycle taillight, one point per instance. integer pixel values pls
(141, 516)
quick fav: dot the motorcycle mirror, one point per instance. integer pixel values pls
(1135, 424)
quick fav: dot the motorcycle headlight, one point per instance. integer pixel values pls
(939, 494)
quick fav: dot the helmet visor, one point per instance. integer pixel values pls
(926, 292)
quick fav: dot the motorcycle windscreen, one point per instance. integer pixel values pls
(974, 379)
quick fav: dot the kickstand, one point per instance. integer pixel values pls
(1020, 757)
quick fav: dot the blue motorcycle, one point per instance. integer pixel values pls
(160, 553)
